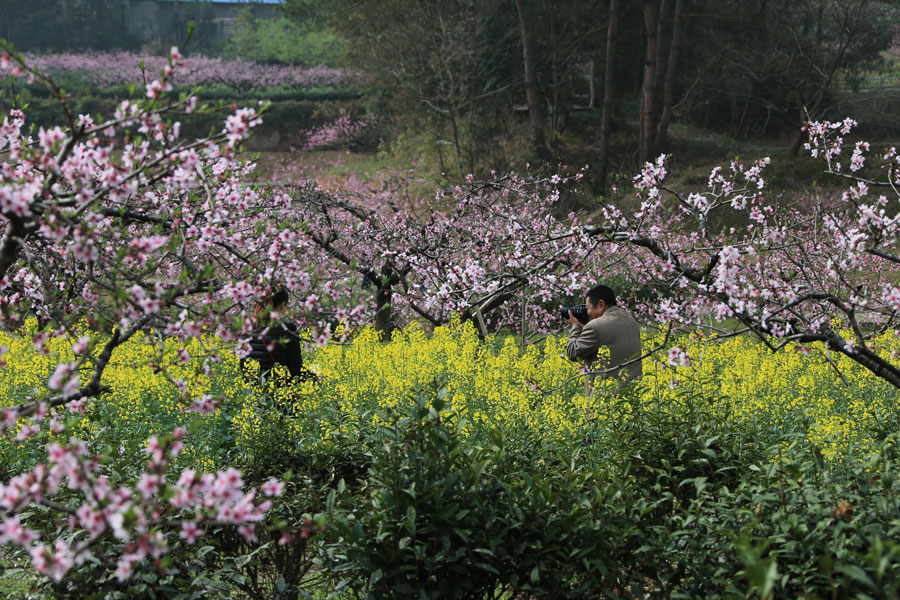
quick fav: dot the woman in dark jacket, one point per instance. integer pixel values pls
(279, 343)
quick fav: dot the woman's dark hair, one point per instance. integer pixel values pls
(278, 297)
(601, 292)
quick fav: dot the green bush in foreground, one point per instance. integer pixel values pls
(441, 518)
(618, 516)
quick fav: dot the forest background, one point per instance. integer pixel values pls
(473, 86)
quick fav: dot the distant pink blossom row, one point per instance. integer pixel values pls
(106, 70)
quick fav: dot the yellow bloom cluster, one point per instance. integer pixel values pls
(839, 406)
(151, 380)
(483, 386)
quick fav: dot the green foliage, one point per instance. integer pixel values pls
(643, 504)
(283, 40)
(726, 511)
(441, 517)
(179, 576)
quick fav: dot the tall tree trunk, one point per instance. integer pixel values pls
(454, 127)
(532, 90)
(648, 89)
(612, 31)
(593, 92)
(555, 112)
(666, 116)
(663, 41)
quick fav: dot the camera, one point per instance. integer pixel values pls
(579, 311)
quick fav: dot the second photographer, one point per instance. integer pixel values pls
(604, 324)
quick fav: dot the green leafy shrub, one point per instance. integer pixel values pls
(644, 506)
(440, 517)
(723, 512)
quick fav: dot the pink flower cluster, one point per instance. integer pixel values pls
(465, 249)
(786, 269)
(138, 517)
(136, 233)
(238, 125)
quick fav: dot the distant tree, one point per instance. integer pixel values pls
(845, 32)
(442, 68)
(284, 40)
(756, 68)
(612, 31)
(663, 38)
(458, 72)
(568, 37)
(66, 24)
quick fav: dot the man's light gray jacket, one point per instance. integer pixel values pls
(617, 331)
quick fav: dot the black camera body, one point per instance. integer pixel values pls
(579, 311)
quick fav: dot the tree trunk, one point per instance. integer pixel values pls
(532, 90)
(553, 102)
(383, 311)
(383, 295)
(666, 116)
(612, 31)
(457, 145)
(593, 92)
(648, 89)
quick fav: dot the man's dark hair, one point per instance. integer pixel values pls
(601, 292)
(278, 297)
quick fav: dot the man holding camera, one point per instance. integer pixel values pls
(605, 324)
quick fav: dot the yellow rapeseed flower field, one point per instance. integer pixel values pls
(836, 406)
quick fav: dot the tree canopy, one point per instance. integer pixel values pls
(469, 70)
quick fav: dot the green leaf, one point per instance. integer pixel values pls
(411, 519)
(857, 574)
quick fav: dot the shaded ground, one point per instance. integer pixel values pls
(693, 153)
